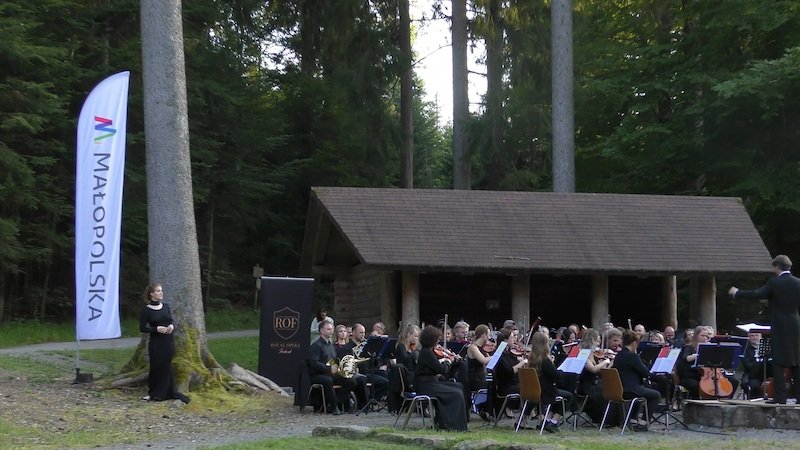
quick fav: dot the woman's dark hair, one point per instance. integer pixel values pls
(504, 334)
(629, 337)
(149, 290)
(429, 336)
(321, 314)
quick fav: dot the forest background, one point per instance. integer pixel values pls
(671, 97)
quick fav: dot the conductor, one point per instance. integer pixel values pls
(783, 293)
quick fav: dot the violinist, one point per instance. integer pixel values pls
(590, 382)
(541, 360)
(505, 372)
(632, 373)
(451, 410)
(406, 352)
(613, 341)
(405, 362)
(477, 358)
(461, 332)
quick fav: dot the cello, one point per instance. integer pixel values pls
(709, 388)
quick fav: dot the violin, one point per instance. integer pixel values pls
(599, 353)
(489, 346)
(444, 353)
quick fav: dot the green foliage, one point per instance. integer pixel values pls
(242, 351)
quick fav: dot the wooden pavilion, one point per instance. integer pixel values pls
(414, 254)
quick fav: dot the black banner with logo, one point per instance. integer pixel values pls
(285, 327)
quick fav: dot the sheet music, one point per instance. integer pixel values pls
(576, 360)
(666, 360)
(496, 356)
(748, 327)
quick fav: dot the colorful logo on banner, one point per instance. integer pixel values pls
(104, 125)
(286, 323)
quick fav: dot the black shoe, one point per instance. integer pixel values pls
(637, 427)
(775, 402)
(182, 398)
(485, 416)
(550, 427)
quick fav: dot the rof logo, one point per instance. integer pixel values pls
(286, 322)
(103, 125)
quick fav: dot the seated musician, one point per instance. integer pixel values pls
(375, 370)
(541, 360)
(752, 365)
(633, 373)
(506, 380)
(590, 383)
(687, 371)
(432, 372)
(460, 332)
(478, 358)
(405, 359)
(378, 329)
(320, 354)
(614, 340)
(344, 346)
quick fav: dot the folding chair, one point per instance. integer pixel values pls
(412, 401)
(530, 390)
(613, 393)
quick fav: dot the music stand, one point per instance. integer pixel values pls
(716, 356)
(376, 347)
(373, 346)
(663, 365)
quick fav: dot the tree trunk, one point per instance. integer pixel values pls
(172, 249)
(563, 102)
(210, 258)
(406, 99)
(461, 160)
(498, 163)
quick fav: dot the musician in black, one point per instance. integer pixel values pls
(633, 372)
(752, 365)
(323, 370)
(783, 293)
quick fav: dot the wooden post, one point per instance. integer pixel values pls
(669, 299)
(410, 297)
(708, 301)
(520, 300)
(599, 301)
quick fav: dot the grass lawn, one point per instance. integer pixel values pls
(18, 333)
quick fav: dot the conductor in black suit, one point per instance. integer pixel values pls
(783, 293)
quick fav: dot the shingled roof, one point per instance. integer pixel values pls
(535, 232)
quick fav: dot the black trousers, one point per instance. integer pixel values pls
(780, 383)
(332, 398)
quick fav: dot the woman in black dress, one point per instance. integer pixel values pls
(156, 319)
(451, 410)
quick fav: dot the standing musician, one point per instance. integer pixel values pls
(783, 293)
(632, 373)
(321, 371)
(451, 409)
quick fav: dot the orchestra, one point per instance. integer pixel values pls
(454, 377)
